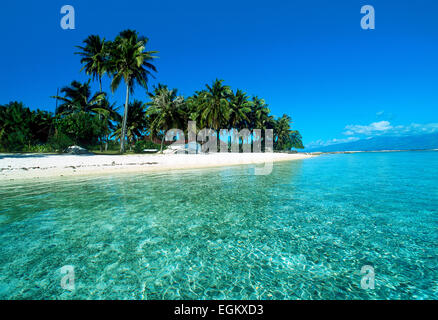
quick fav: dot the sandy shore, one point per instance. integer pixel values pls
(34, 166)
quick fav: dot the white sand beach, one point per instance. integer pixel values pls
(34, 166)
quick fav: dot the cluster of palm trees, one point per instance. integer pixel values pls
(126, 59)
(217, 107)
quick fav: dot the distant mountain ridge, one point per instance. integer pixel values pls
(417, 142)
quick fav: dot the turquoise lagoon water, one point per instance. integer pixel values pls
(303, 232)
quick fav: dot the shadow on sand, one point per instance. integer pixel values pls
(38, 155)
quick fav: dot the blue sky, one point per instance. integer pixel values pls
(309, 59)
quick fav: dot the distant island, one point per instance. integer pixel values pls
(403, 143)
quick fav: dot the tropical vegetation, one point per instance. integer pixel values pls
(90, 119)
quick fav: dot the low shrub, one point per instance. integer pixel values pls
(41, 148)
(59, 142)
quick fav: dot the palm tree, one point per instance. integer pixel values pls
(259, 115)
(136, 124)
(193, 106)
(284, 137)
(77, 97)
(41, 125)
(282, 132)
(129, 61)
(296, 139)
(214, 108)
(108, 115)
(94, 57)
(166, 111)
(240, 107)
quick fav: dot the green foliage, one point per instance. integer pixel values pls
(81, 127)
(219, 107)
(240, 108)
(60, 141)
(22, 128)
(213, 105)
(166, 111)
(285, 138)
(14, 142)
(89, 119)
(129, 61)
(95, 57)
(77, 97)
(41, 148)
(137, 123)
(296, 140)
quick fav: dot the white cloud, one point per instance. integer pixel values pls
(373, 128)
(381, 128)
(416, 128)
(322, 143)
(383, 115)
(385, 128)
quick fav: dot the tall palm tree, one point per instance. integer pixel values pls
(166, 111)
(136, 124)
(77, 97)
(259, 115)
(214, 108)
(240, 107)
(94, 57)
(282, 132)
(193, 106)
(108, 115)
(130, 62)
(296, 139)
(284, 137)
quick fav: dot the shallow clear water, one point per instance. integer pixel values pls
(303, 232)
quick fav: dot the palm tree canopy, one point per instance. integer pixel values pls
(296, 140)
(77, 97)
(95, 56)
(166, 109)
(259, 115)
(214, 105)
(129, 60)
(240, 107)
(284, 137)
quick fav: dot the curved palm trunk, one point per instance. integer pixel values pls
(100, 116)
(162, 142)
(125, 119)
(218, 147)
